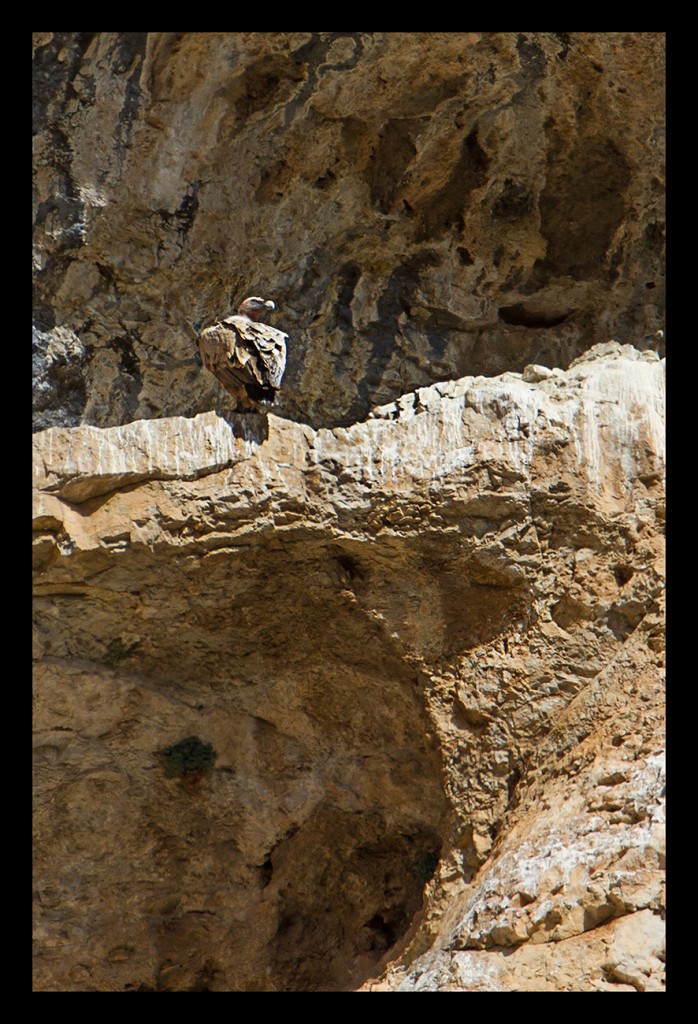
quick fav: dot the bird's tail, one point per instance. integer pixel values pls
(258, 393)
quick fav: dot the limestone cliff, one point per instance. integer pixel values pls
(421, 206)
(426, 650)
(365, 693)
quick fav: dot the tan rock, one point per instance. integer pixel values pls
(426, 651)
(624, 955)
(366, 692)
(421, 206)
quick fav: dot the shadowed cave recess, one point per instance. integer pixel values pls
(306, 847)
(313, 835)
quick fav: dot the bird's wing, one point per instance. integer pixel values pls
(261, 349)
(218, 347)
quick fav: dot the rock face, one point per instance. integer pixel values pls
(364, 694)
(421, 206)
(374, 706)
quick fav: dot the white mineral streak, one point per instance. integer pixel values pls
(448, 972)
(633, 391)
(622, 956)
(610, 404)
(612, 407)
(70, 457)
(568, 867)
(550, 849)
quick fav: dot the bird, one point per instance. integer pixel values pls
(245, 355)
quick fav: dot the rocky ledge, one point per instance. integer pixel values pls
(420, 659)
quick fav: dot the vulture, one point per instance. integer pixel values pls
(246, 356)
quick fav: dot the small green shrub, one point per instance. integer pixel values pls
(191, 756)
(118, 652)
(425, 865)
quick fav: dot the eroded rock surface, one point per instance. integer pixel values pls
(421, 206)
(427, 651)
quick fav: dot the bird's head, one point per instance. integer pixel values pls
(254, 308)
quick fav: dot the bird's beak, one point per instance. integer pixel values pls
(269, 304)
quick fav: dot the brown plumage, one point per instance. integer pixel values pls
(246, 356)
